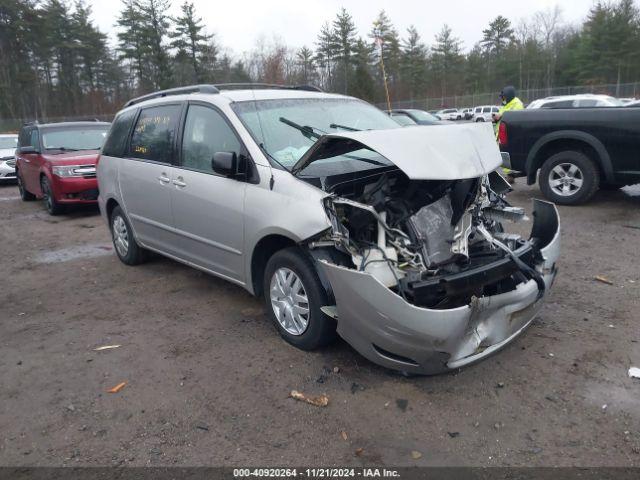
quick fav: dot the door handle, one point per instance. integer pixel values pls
(179, 183)
(163, 178)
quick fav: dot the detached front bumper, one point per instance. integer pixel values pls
(391, 332)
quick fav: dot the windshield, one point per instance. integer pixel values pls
(81, 138)
(423, 116)
(8, 142)
(402, 119)
(286, 128)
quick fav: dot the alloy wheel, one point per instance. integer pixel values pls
(566, 179)
(120, 235)
(289, 301)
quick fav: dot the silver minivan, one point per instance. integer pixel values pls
(345, 222)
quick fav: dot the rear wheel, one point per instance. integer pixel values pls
(569, 178)
(479, 119)
(25, 195)
(294, 295)
(127, 249)
(53, 207)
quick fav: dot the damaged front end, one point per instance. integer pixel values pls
(424, 276)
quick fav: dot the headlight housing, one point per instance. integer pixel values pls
(74, 170)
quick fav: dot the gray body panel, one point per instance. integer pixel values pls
(146, 192)
(208, 213)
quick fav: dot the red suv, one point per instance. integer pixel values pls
(57, 162)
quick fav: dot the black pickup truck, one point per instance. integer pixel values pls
(577, 151)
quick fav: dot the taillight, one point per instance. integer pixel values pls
(502, 133)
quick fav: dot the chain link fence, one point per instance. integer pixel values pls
(624, 90)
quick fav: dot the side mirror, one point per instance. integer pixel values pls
(27, 149)
(225, 163)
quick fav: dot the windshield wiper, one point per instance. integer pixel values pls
(344, 127)
(64, 149)
(306, 130)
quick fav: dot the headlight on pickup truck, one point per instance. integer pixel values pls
(74, 170)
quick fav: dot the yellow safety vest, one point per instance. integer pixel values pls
(514, 104)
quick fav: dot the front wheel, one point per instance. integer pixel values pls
(25, 195)
(569, 178)
(479, 119)
(53, 207)
(127, 249)
(294, 295)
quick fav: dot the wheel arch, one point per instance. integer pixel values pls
(260, 255)
(111, 204)
(556, 142)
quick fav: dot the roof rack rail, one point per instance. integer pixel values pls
(216, 89)
(250, 86)
(174, 91)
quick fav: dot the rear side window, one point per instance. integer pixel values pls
(116, 141)
(478, 110)
(205, 133)
(153, 133)
(495, 109)
(559, 104)
(486, 109)
(589, 103)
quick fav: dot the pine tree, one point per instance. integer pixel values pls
(155, 27)
(325, 54)
(190, 40)
(306, 65)
(413, 62)
(363, 81)
(497, 36)
(387, 42)
(344, 37)
(132, 43)
(447, 59)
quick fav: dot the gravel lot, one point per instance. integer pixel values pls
(208, 377)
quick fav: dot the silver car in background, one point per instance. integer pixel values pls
(8, 145)
(343, 221)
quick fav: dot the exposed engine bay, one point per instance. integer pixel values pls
(437, 243)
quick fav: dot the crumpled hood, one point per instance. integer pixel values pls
(434, 152)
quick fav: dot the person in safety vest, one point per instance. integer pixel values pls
(509, 102)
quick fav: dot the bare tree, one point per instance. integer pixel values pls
(548, 23)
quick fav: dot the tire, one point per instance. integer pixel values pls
(284, 270)
(25, 195)
(569, 178)
(53, 207)
(479, 119)
(124, 243)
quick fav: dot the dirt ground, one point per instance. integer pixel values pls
(208, 377)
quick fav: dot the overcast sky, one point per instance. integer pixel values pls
(238, 24)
